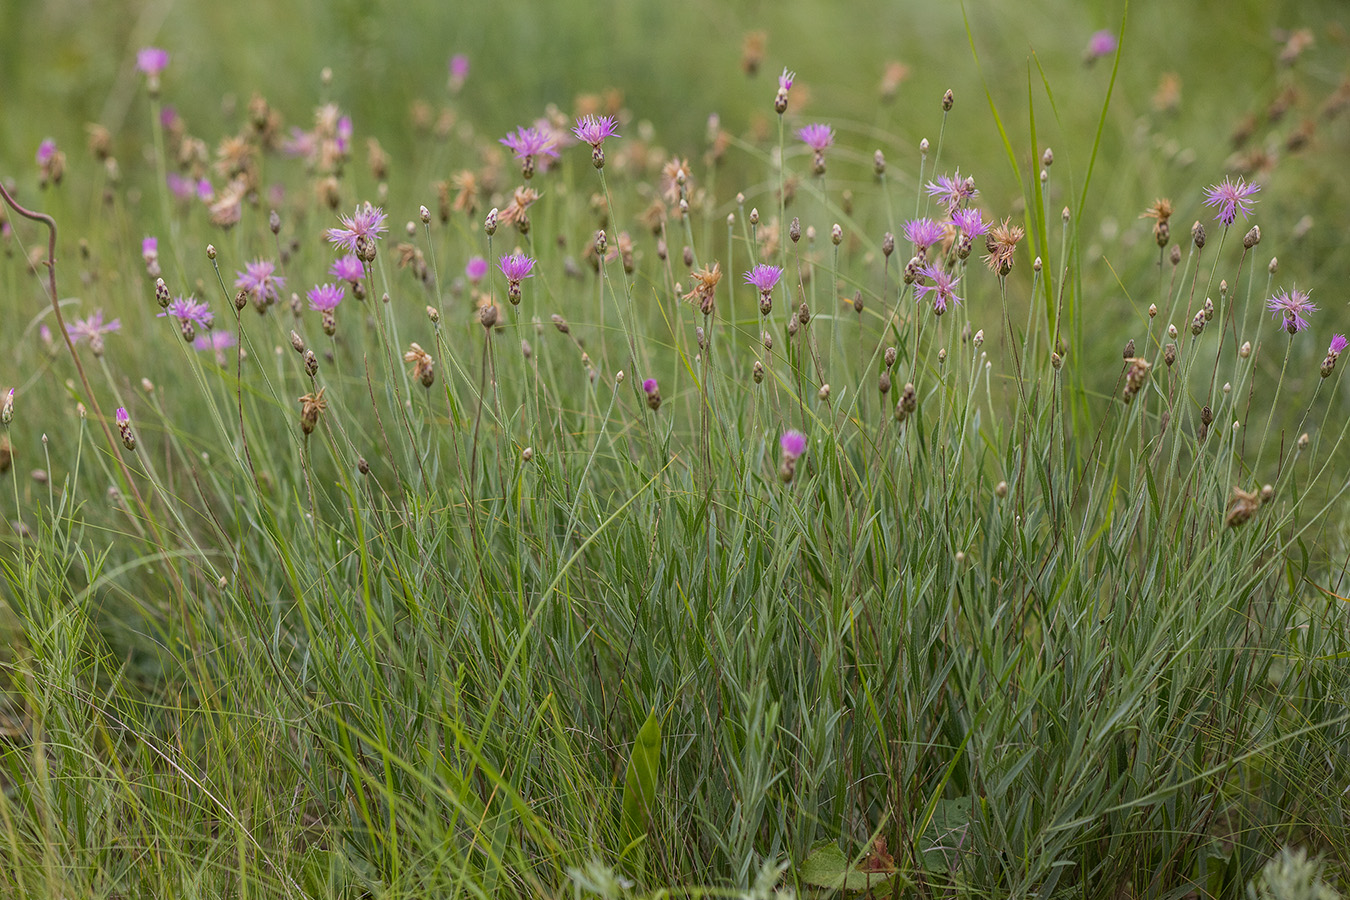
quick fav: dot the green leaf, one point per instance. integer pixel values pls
(827, 867)
(639, 784)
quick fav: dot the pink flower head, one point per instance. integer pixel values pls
(123, 417)
(367, 221)
(149, 248)
(459, 67)
(780, 100)
(793, 444)
(205, 192)
(1102, 43)
(527, 143)
(516, 267)
(952, 192)
(785, 80)
(218, 339)
(152, 60)
(347, 268)
(1338, 344)
(189, 311)
(344, 134)
(650, 386)
(923, 233)
(943, 287)
(1291, 306)
(476, 269)
(764, 277)
(46, 150)
(594, 129)
(301, 143)
(970, 222)
(92, 328)
(259, 278)
(818, 137)
(1230, 198)
(325, 297)
(168, 117)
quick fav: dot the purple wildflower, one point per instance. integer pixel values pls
(92, 328)
(1102, 43)
(943, 288)
(46, 151)
(459, 71)
(594, 129)
(515, 267)
(301, 143)
(188, 310)
(343, 137)
(359, 231)
(653, 392)
(923, 233)
(124, 428)
(260, 280)
(764, 277)
(819, 137)
(970, 222)
(325, 297)
(217, 339)
(650, 386)
(1230, 198)
(780, 100)
(793, 444)
(1338, 345)
(785, 80)
(152, 60)
(168, 117)
(1291, 305)
(205, 192)
(149, 248)
(476, 269)
(952, 192)
(347, 268)
(528, 143)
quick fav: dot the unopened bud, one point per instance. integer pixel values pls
(424, 214)
(433, 314)
(1048, 158)
(836, 234)
(210, 251)
(947, 100)
(887, 244)
(1198, 235)
(754, 216)
(879, 163)
(274, 221)
(490, 222)
(488, 315)
(1152, 310)
(1245, 350)
(795, 229)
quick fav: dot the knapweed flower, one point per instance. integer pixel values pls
(1002, 245)
(952, 192)
(1230, 198)
(1291, 306)
(1102, 43)
(527, 144)
(593, 130)
(359, 231)
(93, 328)
(819, 137)
(150, 256)
(217, 340)
(260, 280)
(516, 268)
(942, 288)
(475, 269)
(46, 151)
(653, 392)
(347, 268)
(1338, 345)
(459, 72)
(191, 315)
(970, 223)
(923, 233)
(152, 60)
(424, 368)
(792, 445)
(765, 278)
(124, 427)
(51, 163)
(324, 298)
(705, 284)
(784, 85)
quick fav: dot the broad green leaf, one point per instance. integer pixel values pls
(639, 784)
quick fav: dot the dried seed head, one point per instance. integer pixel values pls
(792, 327)
(908, 402)
(297, 342)
(433, 314)
(1267, 493)
(241, 300)
(1252, 238)
(1170, 354)
(561, 324)
(767, 339)
(824, 393)
(1206, 416)
(804, 313)
(890, 354)
(1198, 235)
(1241, 507)
(887, 244)
(1001, 489)
(795, 229)
(362, 466)
(884, 383)
(857, 302)
(1129, 349)
(1176, 255)
(1036, 265)
(488, 315)
(942, 356)
(310, 407)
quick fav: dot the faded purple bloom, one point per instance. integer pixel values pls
(923, 233)
(459, 68)
(123, 417)
(168, 117)
(1102, 43)
(1230, 198)
(650, 386)
(1291, 306)
(952, 192)
(819, 137)
(785, 80)
(180, 187)
(347, 268)
(367, 221)
(1338, 344)
(300, 143)
(943, 287)
(344, 134)
(46, 150)
(149, 248)
(217, 341)
(970, 222)
(325, 297)
(152, 60)
(259, 278)
(189, 311)
(93, 328)
(780, 100)
(530, 142)
(476, 269)
(793, 444)
(764, 277)
(205, 192)
(594, 129)
(516, 267)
